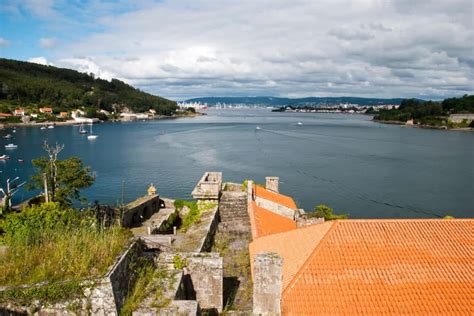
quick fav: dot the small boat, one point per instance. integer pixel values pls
(21, 160)
(8, 136)
(82, 130)
(299, 123)
(257, 128)
(51, 126)
(43, 127)
(14, 131)
(11, 146)
(92, 136)
(4, 157)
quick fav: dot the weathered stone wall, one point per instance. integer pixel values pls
(275, 207)
(206, 272)
(267, 284)
(141, 209)
(209, 187)
(123, 273)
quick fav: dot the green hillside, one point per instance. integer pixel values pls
(33, 85)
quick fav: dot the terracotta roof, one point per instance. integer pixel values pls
(274, 197)
(293, 246)
(377, 267)
(265, 222)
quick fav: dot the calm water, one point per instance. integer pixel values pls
(356, 166)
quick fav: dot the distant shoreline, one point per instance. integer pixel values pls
(445, 128)
(71, 122)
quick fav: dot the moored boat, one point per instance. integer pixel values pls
(11, 146)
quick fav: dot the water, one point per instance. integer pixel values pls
(356, 166)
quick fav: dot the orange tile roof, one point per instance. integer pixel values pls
(293, 246)
(265, 222)
(377, 267)
(274, 197)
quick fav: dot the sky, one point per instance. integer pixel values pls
(191, 48)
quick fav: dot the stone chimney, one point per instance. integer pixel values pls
(272, 183)
(267, 283)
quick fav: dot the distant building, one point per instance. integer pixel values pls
(63, 114)
(152, 111)
(46, 110)
(19, 112)
(4, 115)
(357, 267)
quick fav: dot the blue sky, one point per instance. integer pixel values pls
(189, 48)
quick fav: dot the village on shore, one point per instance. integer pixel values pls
(47, 116)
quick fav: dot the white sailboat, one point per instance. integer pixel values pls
(11, 146)
(91, 135)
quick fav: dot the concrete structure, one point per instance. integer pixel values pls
(272, 184)
(209, 187)
(267, 284)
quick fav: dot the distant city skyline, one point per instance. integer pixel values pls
(183, 49)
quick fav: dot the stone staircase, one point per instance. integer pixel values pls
(233, 211)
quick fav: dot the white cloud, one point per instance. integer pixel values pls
(40, 60)
(84, 65)
(47, 42)
(4, 42)
(382, 48)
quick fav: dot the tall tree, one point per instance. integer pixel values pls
(64, 178)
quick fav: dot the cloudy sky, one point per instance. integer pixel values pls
(190, 48)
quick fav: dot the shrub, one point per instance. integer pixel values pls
(327, 212)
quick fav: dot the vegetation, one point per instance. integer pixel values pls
(429, 113)
(64, 178)
(32, 86)
(327, 212)
(151, 283)
(51, 243)
(194, 214)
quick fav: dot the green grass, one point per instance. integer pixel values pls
(79, 253)
(151, 283)
(194, 214)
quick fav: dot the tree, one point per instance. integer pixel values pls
(64, 178)
(327, 212)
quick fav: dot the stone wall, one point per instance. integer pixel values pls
(267, 284)
(209, 187)
(141, 209)
(276, 208)
(206, 273)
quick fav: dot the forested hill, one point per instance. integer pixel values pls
(33, 85)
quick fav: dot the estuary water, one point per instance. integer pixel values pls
(356, 166)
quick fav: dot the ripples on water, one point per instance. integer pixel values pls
(356, 166)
